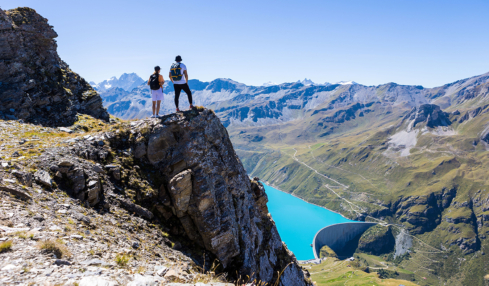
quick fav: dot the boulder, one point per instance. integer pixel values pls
(43, 178)
(93, 192)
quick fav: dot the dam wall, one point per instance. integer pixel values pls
(336, 236)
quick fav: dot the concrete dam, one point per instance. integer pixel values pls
(337, 236)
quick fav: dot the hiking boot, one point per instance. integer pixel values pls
(153, 116)
(178, 110)
(191, 107)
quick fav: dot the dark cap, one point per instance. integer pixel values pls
(157, 68)
(178, 59)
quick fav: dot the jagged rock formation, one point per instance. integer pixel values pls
(35, 84)
(430, 114)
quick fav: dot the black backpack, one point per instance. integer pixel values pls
(176, 71)
(154, 81)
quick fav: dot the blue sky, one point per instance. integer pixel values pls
(372, 42)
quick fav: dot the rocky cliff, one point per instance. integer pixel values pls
(178, 180)
(35, 84)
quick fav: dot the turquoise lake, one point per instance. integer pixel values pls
(298, 221)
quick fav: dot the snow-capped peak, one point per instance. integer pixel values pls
(346, 82)
(126, 81)
(306, 82)
(269, 83)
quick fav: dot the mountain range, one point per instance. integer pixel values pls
(409, 157)
(127, 82)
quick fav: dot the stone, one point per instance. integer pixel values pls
(93, 192)
(16, 192)
(97, 169)
(9, 267)
(140, 280)
(173, 275)
(80, 217)
(38, 218)
(180, 188)
(60, 262)
(96, 281)
(55, 228)
(76, 236)
(64, 129)
(161, 270)
(65, 163)
(135, 244)
(93, 262)
(130, 206)
(43, 178)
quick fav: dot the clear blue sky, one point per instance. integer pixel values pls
(423, 42)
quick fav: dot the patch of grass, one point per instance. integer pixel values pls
(5, 246)
(56, 247)
(122, 259)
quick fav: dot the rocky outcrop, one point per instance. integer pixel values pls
(430, 114)
(211, 195)
(35, 84)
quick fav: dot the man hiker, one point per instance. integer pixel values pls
(156, 82)
(179, 77)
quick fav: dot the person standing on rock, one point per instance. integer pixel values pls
(156, 82)
(179, 77)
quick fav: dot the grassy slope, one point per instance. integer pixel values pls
(335, 272)
(356, 155)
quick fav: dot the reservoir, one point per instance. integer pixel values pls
(297, 221)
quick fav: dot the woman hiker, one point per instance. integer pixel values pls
(156, 82)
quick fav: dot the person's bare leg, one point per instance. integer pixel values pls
(158, 107)
(154, 107)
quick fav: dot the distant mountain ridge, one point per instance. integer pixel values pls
(237, 103)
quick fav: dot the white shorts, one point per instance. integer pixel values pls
(157, 94)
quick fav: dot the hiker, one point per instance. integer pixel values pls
(177, 72)
(156, 82)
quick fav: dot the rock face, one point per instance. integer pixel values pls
(35, 84)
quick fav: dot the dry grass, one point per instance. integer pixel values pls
(5, 246)
(54, 246)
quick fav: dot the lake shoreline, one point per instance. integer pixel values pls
(273, 186)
